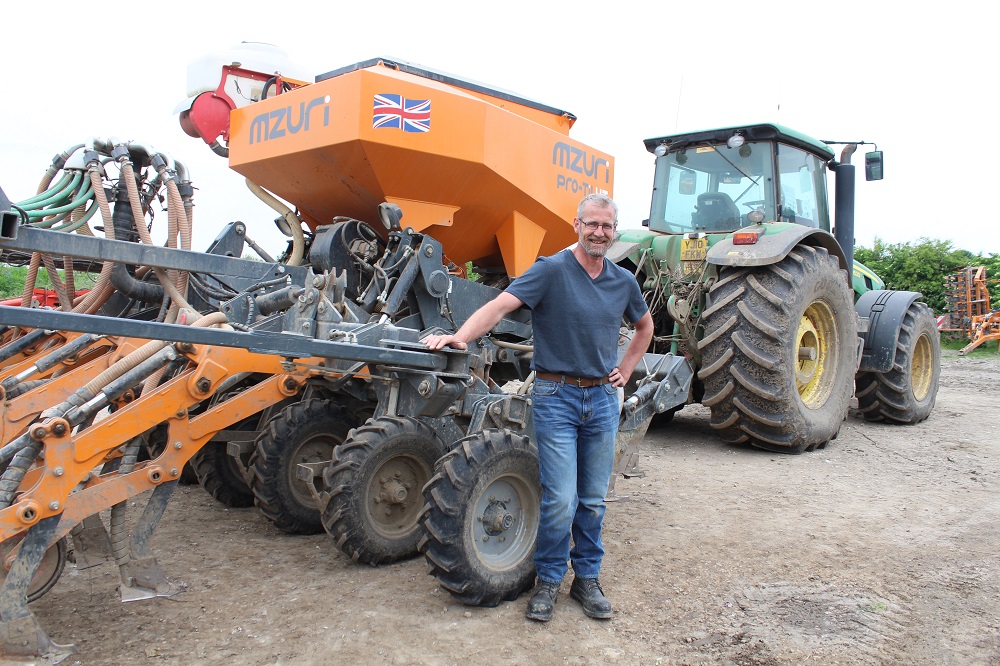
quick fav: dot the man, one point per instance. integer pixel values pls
(577, 300)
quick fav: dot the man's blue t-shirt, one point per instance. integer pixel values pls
(576, 319)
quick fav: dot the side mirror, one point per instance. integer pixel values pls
(873, 165)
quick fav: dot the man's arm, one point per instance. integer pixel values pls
(636, 348)
(480, 323)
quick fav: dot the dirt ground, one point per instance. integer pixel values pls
(879, 549)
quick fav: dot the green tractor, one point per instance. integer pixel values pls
(745, 278)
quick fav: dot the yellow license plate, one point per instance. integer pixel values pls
(694, 249)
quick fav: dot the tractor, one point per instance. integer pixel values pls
(749, 276)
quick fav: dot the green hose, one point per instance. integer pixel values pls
(86, 193)
(52, 194)
(47, 193)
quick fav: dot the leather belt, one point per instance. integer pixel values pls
(582, 382)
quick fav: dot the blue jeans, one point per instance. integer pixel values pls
(575, 430)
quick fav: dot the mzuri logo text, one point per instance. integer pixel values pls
(288, 120)
(577, 160)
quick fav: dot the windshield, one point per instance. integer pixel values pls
(712, 188)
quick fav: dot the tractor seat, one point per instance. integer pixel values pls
(715, 211)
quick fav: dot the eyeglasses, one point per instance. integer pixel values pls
(593, 226)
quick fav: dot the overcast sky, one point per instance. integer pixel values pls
(917, 83)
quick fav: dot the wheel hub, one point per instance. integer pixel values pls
(496, 518)
(394, 507)
(815, 354)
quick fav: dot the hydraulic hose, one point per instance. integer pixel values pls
(119, 536)
(293, 221)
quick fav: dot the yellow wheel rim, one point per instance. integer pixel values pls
(816, 353)
(922, 368)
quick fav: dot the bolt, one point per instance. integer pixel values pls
(203, 385)
(502, 539)
(174, 471)
(38, 433)
(486, 537)
(291, 385)
(388, 512)
(58, 471)
(54, 505)
(807, 354)
(378, 499)
(178, 445)
(429, 251)
(479, 517)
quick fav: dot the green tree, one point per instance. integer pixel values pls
(917, 267)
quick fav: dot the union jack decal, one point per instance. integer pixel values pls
(397, 112)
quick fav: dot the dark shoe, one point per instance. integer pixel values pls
(543, 602)
(589, 593)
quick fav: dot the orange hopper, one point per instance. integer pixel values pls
(494, 177)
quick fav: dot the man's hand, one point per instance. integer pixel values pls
(440, 341)
(617, 379)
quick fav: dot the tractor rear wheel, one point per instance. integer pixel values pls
(906, 393)
(481, 518)
(371, 499)
(303, 432)
(779, 352)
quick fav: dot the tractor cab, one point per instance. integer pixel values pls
(720, 181)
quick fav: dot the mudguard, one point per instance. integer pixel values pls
(772, 248)
(884, 309)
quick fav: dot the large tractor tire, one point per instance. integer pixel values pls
(303, 432)
(906, 393)
(780, 351)
(481, 518)
(371, 501)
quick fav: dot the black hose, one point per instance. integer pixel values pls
(121, 278)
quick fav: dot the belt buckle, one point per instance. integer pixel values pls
(579, 382)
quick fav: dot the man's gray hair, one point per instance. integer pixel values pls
(599, 200)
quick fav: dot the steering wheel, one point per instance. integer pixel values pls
(752, 205)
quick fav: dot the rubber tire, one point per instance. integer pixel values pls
(475, 572)
(755, 385)
(355, 485)
(916, 370)
(220, 475)
(277, 454)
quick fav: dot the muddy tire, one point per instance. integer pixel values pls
(780, 351)
(906, 393)
(371, 501)
(481, 518)
(220, 475)
(306, 431)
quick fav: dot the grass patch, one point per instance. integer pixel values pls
(955, 344)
